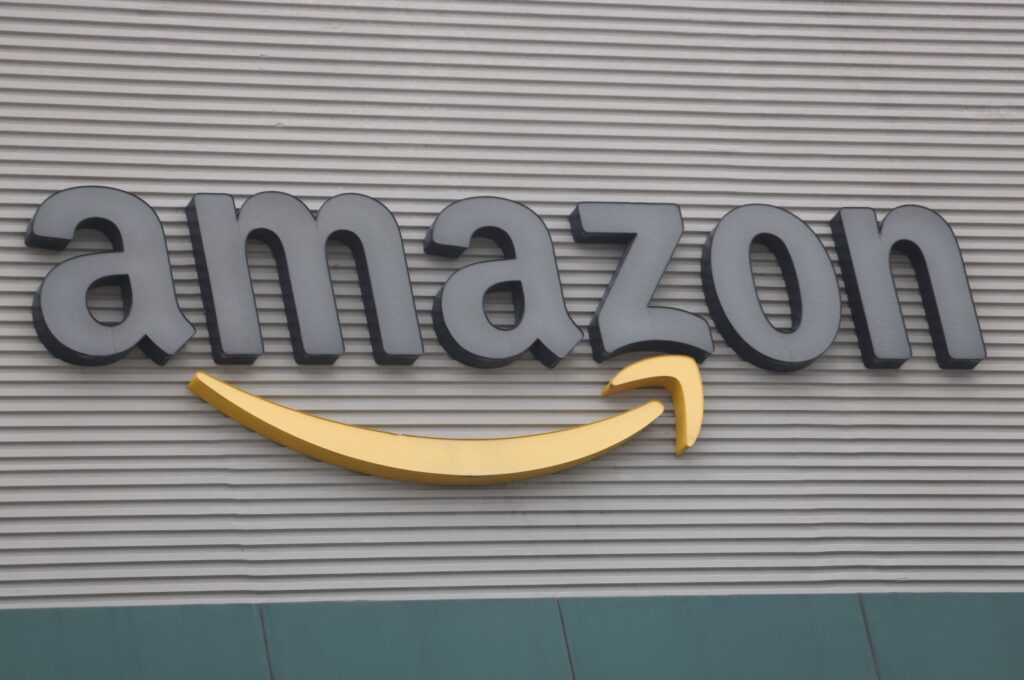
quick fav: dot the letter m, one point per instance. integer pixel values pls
(298, 239)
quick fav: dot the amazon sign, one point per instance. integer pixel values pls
(624, 322)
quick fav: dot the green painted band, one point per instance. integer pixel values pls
(933, 636)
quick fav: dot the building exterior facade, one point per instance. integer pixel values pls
(852, 486)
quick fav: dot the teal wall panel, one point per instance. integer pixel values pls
(943, 636)
(446, 640)
(947, 636)
(732, 637)
(217, 642)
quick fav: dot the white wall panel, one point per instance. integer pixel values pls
(119, 486)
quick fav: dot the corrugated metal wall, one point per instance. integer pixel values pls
(118, 486)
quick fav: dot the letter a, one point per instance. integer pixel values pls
(528, 271)
(138, 264)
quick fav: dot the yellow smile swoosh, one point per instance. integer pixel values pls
(469, 461)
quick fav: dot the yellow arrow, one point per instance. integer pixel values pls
(468, 461)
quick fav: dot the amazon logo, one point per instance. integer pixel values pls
(624, 322)
(434, 460)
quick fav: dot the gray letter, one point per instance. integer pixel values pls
(543, 325)
(930, 245)
(299, 242)
(138, 264)
(625, 321)
(732, 298)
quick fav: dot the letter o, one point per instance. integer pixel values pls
(810, 280)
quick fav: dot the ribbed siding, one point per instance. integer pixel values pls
(118, 486)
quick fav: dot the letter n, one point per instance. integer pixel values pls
(864, 248)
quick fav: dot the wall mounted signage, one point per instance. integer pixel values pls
(624, 322)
